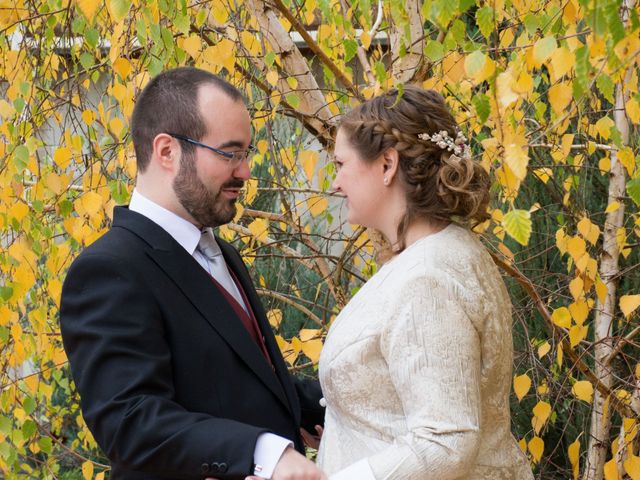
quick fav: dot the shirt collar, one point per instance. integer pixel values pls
(182, 231)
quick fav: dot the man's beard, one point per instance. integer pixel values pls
(206, 207)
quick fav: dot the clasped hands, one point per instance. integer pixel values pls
(295, 466)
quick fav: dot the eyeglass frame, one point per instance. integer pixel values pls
(232, 157)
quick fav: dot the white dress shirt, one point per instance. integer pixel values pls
(269, 447)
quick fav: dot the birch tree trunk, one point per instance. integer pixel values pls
(605, 312)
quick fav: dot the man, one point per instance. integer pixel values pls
(178, 372)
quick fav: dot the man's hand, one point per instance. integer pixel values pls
(294, 466)
(310, 440)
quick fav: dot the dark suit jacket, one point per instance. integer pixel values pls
(171, 384)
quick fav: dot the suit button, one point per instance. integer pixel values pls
(224, 467)
(204, 468)
(215, 467)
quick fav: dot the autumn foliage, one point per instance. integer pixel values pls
(546, 91)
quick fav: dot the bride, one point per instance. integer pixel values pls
(416, 370)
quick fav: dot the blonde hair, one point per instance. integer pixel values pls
(439, 185)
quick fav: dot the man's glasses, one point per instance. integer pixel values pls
(234, 158)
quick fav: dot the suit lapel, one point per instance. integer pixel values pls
(197, 286)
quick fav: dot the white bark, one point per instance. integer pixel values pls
(609, 269)
(405, 68)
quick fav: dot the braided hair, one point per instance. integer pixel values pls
(439, 185)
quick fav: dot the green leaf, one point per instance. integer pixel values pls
(483, 106)
(5, 425)
(517, 224)
(269, 58)
(86, 60)
(119, 9)
(485, 18)
(29, 427)
(350, 49)
(531, 23)
(633, 189)
(474, 62)
(29, 405)
(91, 37)
(293, 100)
(21, 156)
(380, 72)
(606, 87)
(434, 50)
(45, 444)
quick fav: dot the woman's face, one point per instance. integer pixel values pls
(360, 182)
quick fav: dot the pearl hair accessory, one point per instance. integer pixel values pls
(445, 142)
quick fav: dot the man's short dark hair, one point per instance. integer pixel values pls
(169, 104)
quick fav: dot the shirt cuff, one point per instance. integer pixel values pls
(269, 449)
(360, 470)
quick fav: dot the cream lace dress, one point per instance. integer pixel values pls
(416, 370)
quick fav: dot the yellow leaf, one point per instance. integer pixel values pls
(307, 334)
(579, 311)
(312, 349)
(612, 207)
(628, 303)
(561, 241)
(576, 247)
(542, 410)
(118, 9)
(18, 210)
(250, 190)
(573, 453)
(590, 231)
(365, 39)
(275, 317)
(562, 61)
(603, 127)
(62, 157)
(262, 146)
(258, 228)
(633, 110)
(521, 385)
(88, 8)
(192, 45)
(543, 49)
(100, 476)
(611, 470)
(92, 203)
(87, 470)
(536, 447)
(560, 95)
(122, 67)
(543, 349)
(638, 370)
(577, 333)
(543, 174)
(506, 95)
(583, 390)
(517, 159)
(272, 77)
(627, 159)
(561, 317)
(317, 204)
(601, 290)
(632, 467)
(576, 287)
(88, 116)
(309, 159)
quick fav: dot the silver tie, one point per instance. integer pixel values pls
(217, 266)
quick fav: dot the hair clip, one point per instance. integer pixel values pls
(445, 142)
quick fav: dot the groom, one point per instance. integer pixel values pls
(178, 372)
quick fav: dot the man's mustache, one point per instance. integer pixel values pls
(233, 184)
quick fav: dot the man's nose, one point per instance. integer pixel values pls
(243, 170)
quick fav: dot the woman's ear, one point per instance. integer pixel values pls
(390, 161)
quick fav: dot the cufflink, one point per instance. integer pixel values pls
(257, 468)
(322, 402)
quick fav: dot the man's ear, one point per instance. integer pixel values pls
(390, 164)
(166, 152)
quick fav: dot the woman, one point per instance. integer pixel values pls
(416, 370)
